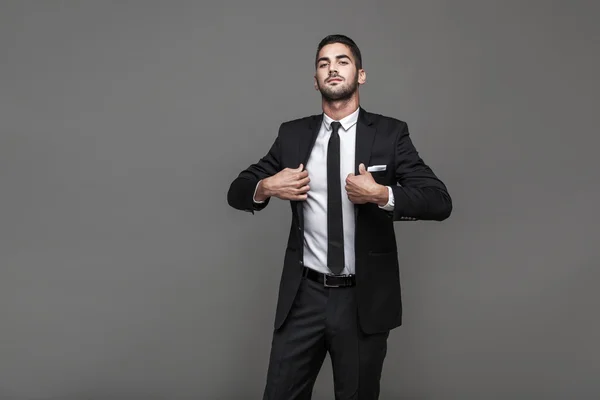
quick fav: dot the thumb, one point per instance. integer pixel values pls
(300, 168)
(362, 169)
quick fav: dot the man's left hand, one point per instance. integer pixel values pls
(362, 188)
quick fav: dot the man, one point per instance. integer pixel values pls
(340, 286)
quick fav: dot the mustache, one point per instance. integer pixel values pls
(333, 76)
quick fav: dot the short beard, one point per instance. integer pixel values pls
(339, 95)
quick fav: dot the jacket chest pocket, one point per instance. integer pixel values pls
(381, 172)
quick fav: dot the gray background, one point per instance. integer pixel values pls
(125, 275)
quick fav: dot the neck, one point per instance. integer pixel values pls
(339, 109)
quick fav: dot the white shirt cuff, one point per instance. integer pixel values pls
(390, 204)
(254, 196)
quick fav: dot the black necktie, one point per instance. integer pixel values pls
(335, 228)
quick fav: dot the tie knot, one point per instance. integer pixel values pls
(335, 125)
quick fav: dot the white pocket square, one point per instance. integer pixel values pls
(375, 168)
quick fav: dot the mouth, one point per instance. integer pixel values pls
(334, 80)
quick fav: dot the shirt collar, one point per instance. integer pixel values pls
(347, 122)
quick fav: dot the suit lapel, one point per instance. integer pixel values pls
(306, 142)
(365, 135)
(308, 138)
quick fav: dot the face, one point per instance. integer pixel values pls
(337, 77)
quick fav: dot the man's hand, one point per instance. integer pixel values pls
(363, 188)
(287, 184)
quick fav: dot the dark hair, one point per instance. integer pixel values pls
(344, 40)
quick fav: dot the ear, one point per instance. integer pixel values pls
(362, 76)
(315, 83)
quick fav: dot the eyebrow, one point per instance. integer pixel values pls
(337, 57)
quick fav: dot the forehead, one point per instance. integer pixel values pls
(333, 50)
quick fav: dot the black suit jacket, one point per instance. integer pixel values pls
(418, 194)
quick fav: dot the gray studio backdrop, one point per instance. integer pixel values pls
(125, 275)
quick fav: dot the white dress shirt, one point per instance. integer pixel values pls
(315, 206)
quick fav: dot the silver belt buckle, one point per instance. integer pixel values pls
(336, 276)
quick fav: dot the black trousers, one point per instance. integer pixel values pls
(324, 320)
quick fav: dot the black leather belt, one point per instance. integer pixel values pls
(329, 280)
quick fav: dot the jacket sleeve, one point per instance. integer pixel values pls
(241, 191)
(421, 195)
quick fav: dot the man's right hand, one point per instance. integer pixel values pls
(287, 184)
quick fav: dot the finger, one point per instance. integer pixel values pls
(302, 182)
(303, 189)
(301, 175)
(296, 183)
(299, 197)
